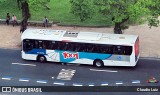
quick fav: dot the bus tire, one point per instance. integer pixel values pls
(98, 63)
(41, 58)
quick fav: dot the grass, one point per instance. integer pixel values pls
(59, 11)
(9, 6)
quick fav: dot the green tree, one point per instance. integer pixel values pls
(25, 6)
(154, 7)
(124, 12)
(82, 8)
(2, 1)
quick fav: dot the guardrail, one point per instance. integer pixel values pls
(2, 21)
(38, 23)
(30, 23)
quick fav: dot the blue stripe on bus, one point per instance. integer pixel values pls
(37, 51)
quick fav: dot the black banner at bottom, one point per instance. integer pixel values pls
(80, 89)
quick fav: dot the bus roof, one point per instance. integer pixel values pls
(85, 37)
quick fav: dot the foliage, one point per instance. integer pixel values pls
(36, 4)
(118, 10)
(155, 12)
(2, 1)
(82, 8)
(153, 21)
(122, 12)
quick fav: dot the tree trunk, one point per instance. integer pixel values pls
(25, 15)
(117, 28)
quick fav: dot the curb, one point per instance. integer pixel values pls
(155, 58)
(59, 24)
(10, 48)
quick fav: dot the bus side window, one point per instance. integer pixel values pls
(70, 47)
(128, 50)
(86, 47)
(79, 47)
(102, 49)
(96, 49)
(76, 47)
(36, 44)
(83, 48)
(49, 44)
(60, 45)
(43, 45)
(27, 45)
(66, 46)
(89, 48)
(53, 45)
(110, 49)
(40, 46)
(46, 44)
(118, 50)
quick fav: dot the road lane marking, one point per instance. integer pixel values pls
(119, 82)
(72, 64)
(91, 84)
(59, 83)
(136, 81)
(23, 64)
(104, 84)
(24, 79)
(41, 81)
(6, 78)
(77, 84)
(66, 74)
(102, 70)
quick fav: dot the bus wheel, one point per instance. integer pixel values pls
(98, 63)
(41, 58)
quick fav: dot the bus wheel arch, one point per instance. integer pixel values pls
(41, 58)
(98, 63)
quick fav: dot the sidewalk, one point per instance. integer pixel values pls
(149, 38)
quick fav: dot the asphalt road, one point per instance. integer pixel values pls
(15, 71)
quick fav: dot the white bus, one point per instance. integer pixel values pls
(98, 49)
